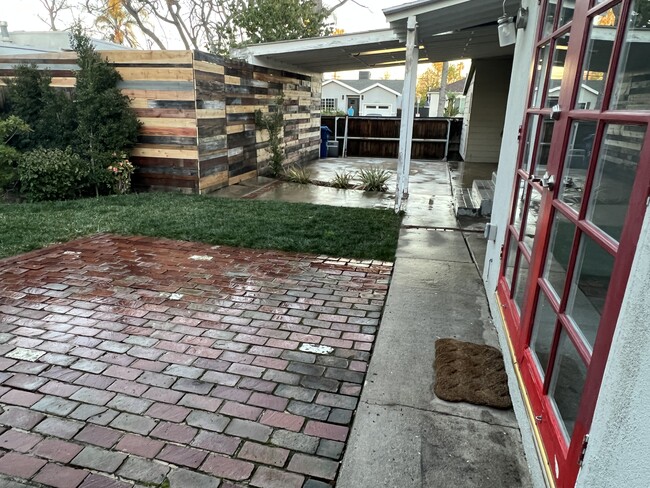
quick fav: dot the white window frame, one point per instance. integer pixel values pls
(332, 106)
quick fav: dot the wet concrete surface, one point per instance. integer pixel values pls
(323, 195)
(430, 197)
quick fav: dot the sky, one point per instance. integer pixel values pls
(351, 17)
(23, 14)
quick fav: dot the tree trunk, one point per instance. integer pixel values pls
(442, 98)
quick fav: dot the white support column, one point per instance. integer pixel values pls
(408, 109)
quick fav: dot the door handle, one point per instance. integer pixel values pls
(548, 181)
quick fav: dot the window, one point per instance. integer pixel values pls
(328, 104)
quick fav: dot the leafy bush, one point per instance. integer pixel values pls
(273, 123)
(297, 174)
(48, 111)
(52, 174)
(342, 180)
(374, 179)
(9, 156)
(95, 120)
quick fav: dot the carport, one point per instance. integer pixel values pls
(423, 31)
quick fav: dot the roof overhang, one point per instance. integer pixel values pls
(447, 30)
(344, 52)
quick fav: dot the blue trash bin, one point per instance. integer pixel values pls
(324, 137)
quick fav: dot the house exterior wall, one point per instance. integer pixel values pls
(618, 451)
(516, 105)
(491, 81)
(374, 96)
(198, 114)
(338, 93)
(378, 96)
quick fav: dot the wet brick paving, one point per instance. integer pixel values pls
(137, 361)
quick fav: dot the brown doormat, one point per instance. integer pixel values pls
(473, 373)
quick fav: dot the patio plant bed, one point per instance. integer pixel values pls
(335, 231)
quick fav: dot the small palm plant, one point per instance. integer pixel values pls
(342, 180)
(374, 179)
(297, 174)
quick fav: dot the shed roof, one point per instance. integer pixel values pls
(447, 30)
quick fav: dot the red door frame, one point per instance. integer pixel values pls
(565, 466)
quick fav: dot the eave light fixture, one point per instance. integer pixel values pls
(506, 28)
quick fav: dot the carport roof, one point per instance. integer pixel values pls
(447, 30)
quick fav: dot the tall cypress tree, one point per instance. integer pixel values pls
(106, 125)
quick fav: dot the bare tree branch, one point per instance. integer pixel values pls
(137, 14)
(53, 9)
(343, 2)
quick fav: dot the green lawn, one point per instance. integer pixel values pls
(318, 229)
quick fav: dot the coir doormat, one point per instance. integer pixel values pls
(473, 373)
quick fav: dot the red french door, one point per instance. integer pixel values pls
(578, 202)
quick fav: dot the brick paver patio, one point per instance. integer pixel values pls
(129, 360)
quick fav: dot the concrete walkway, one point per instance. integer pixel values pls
(403, 436)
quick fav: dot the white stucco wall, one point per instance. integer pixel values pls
(381, 96)
(618, 455)
(516, 105)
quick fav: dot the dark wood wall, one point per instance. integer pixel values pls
(228, 93)
(198, 114)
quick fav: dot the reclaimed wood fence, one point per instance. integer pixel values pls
(198, 114)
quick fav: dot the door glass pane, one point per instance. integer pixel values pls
(565, 390)
(520, 285)
(549, 18)
(615, 172)
(557, 71)
(596, 63)
(576, 161)
(510, 263)
(527, 156)
(631, 86)
(540, 74)
(531, 218)
(559, 251)
(589, 287)
(566, 13)
(543, 330)
(519, 202)
(544, 147)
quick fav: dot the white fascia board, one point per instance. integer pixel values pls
(381, 86)
(402, 12)
(316, 43)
